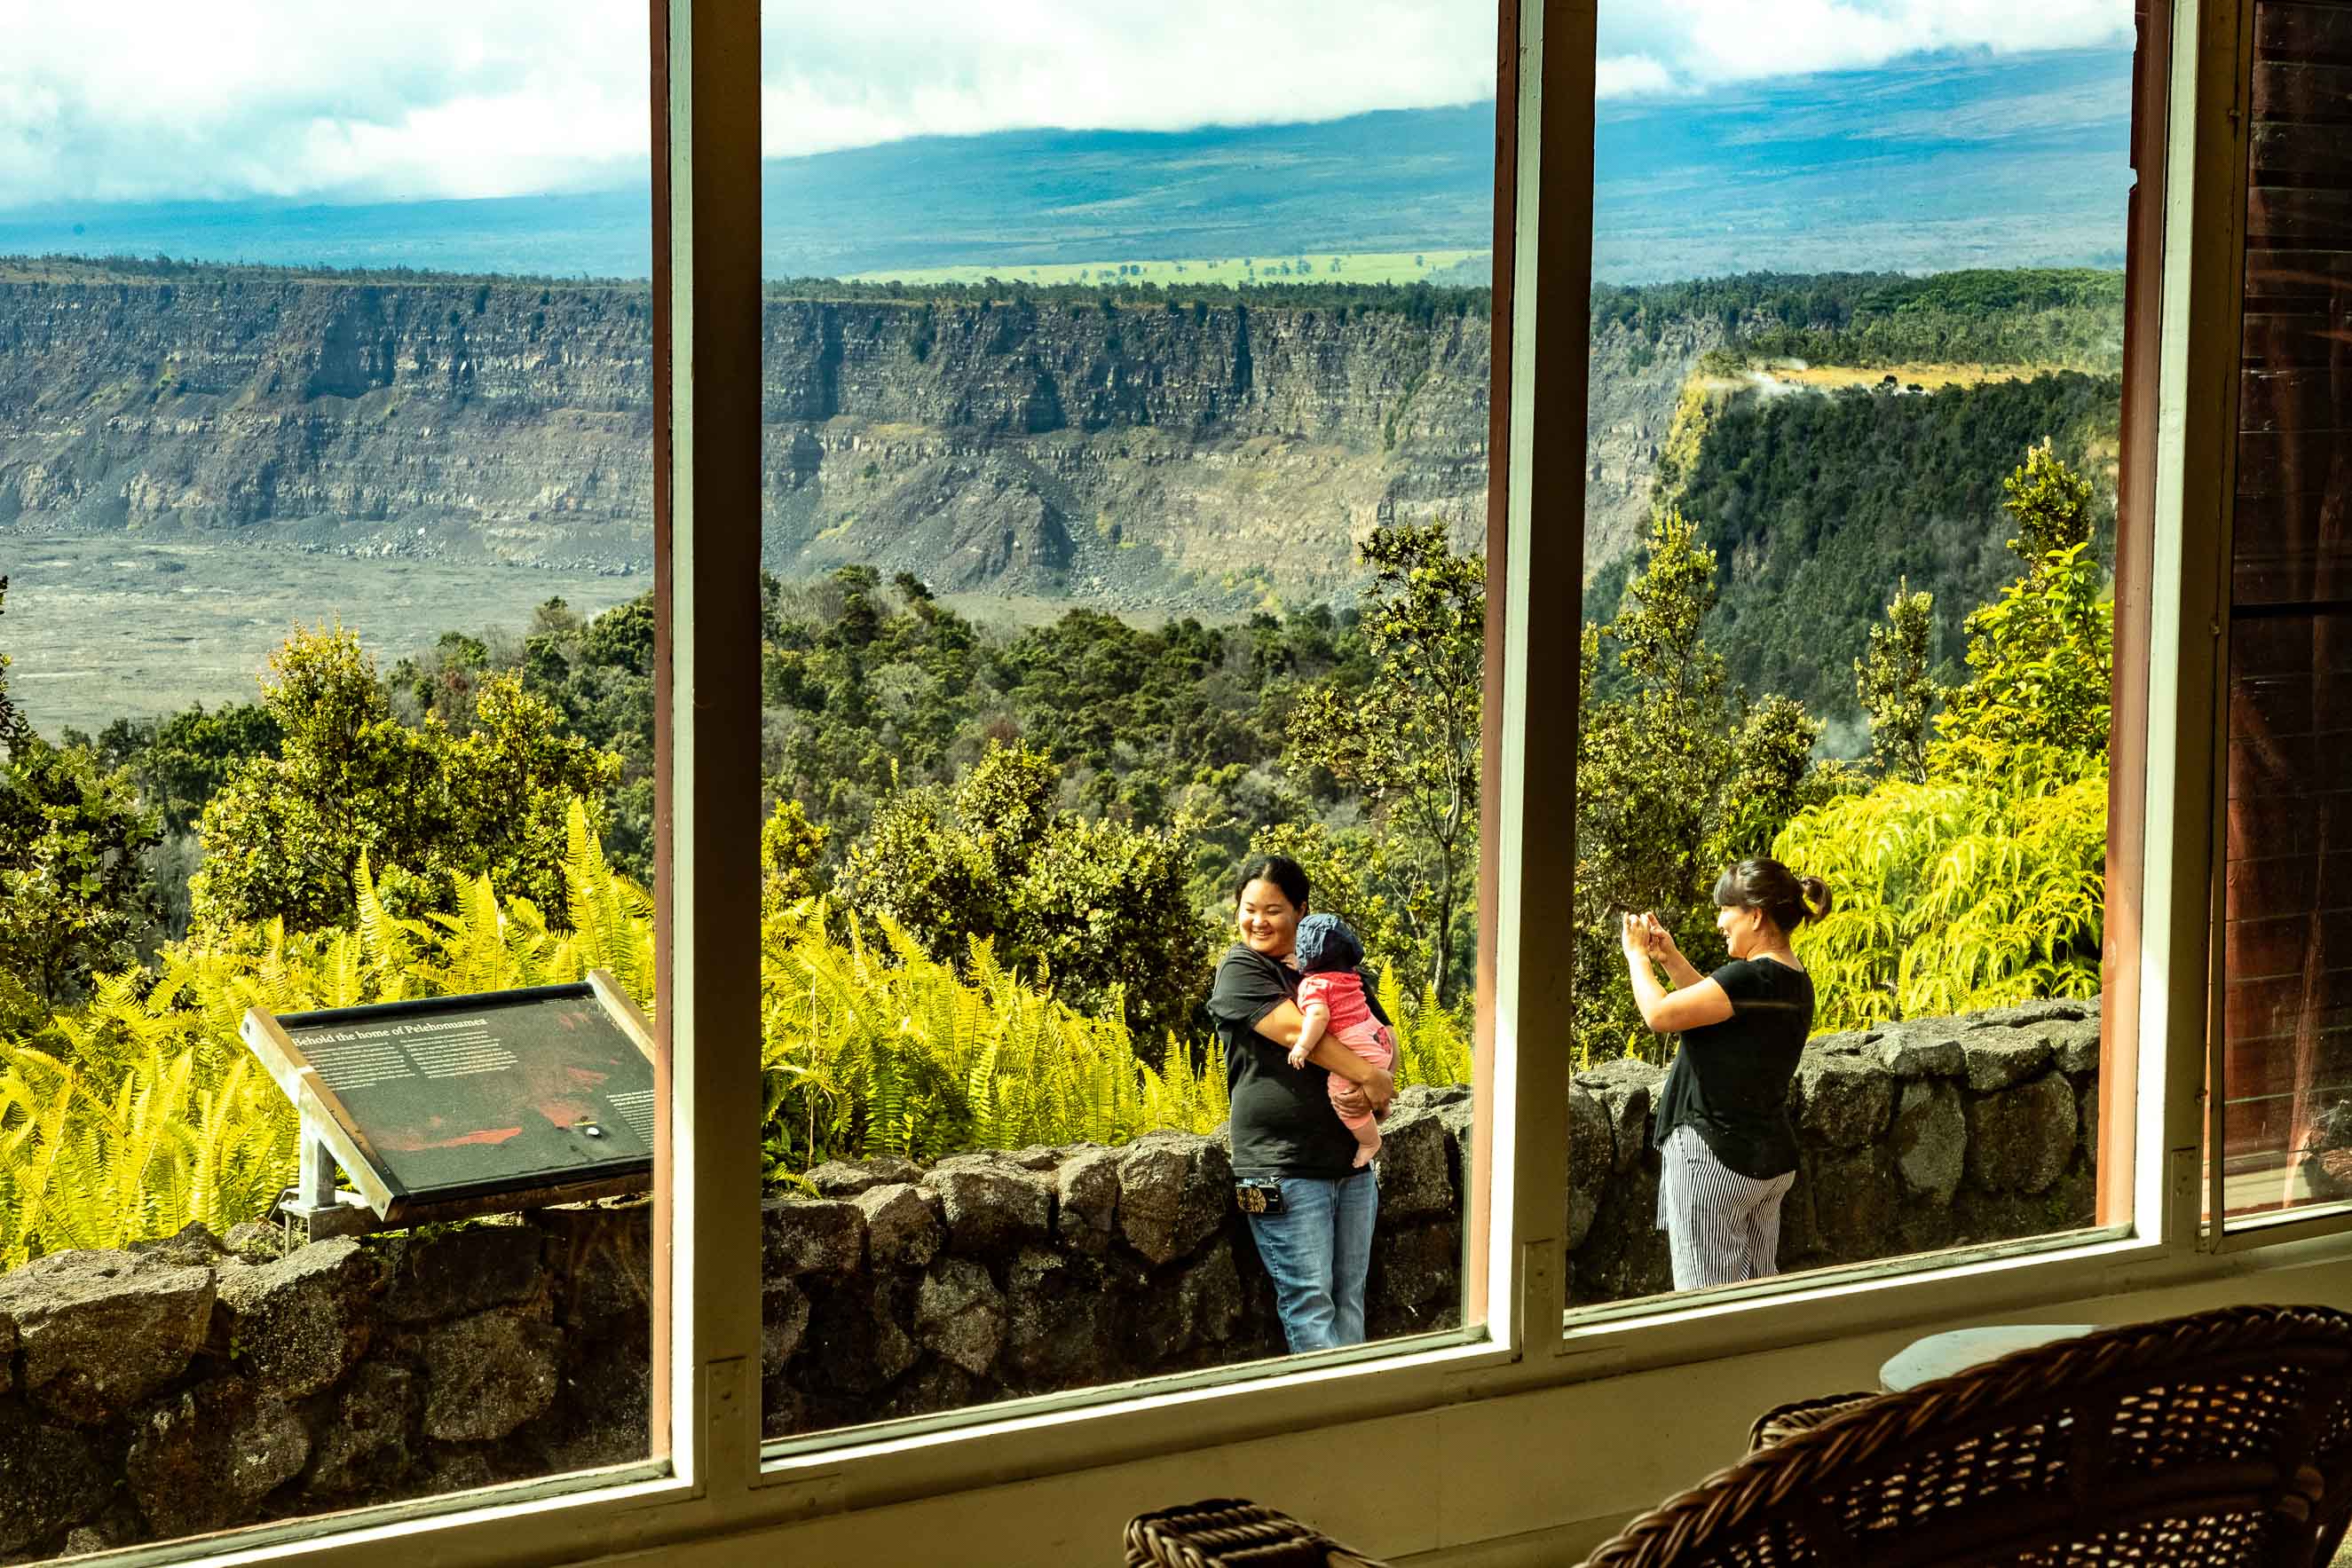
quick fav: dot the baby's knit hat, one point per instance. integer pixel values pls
(1325, 943)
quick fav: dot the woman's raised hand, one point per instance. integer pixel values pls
(1634, 936)
(1661, 940)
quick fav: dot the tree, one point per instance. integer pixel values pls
(1652, 762)
(350, 782)
(182, 761)
(1772, 778)
(13, 729)
(2041, 656)
(2051, 503)
(789, 851)
(1408, 736)
(1676, 775)
(1097, 910)
(1895, 687)
(74, 895)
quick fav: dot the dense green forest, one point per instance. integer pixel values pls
(1821, 503)
(2070, 317)
(1419, 301)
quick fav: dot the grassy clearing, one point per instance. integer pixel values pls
(1930, 376)
(1360, 266)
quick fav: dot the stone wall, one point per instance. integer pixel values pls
(190, 1385)
(1912, 1136)
(193, 1384)
(901, 1292)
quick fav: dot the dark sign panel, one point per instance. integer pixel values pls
(465, 1097)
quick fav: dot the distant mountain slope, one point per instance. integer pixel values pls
(1817, 504)
(1928, 166)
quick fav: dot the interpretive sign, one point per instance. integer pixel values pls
(465, 1105)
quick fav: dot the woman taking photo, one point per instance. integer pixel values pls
(1311, 1210)
(1727, 1152)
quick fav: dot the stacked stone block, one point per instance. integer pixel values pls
(193, 1384)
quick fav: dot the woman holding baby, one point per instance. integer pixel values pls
(1301, 1171)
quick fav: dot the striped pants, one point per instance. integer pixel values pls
(1722, 1228)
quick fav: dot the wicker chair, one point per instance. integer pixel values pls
(2220, 1438)
(2224, 1437)
(1229, 1533)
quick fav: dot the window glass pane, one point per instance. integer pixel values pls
(1127, 463)
(1857, 370)
(325, 447)
(2287, 938)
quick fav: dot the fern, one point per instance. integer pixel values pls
(152, 1113)
(1966, 891)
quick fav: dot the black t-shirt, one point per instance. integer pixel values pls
(1283, 1119)
(1730, 1080)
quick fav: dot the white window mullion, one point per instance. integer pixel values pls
(713, 558)
(1551, 285)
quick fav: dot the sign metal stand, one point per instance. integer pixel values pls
(458, 1106)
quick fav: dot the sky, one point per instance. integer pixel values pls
(292, 100)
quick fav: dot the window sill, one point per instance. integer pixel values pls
(1085, 1427)
(1090, 1427)
(2308, 1222)
(504, 1524)
(1879, 1298)
(1844, 1303)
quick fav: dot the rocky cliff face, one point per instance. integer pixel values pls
(1180, 453)
(514, 421)
(1027, 448)
(1633, 387)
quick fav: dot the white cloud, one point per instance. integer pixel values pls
(232, 98)
(843, 75)
(1630, 75)
(1709, 43)
(143, 99)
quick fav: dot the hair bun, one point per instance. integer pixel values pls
(1819, 899)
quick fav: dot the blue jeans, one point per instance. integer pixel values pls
(1318, 1249)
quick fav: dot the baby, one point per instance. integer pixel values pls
(1332, 997)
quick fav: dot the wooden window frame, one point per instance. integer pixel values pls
(2220, 278)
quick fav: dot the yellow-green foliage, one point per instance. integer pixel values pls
(142, 1110)
(871, 1049)
(1432, 1042)
(1966, 891)
(83, 1163)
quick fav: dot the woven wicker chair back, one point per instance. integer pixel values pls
(2223, 1437)
(1232, 1532)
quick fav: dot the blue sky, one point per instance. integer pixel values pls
(290, 100)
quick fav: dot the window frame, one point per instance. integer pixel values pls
(2225, 147)
(706, 63)
(2136, 1215)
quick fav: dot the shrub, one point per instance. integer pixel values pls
(1961, 893)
